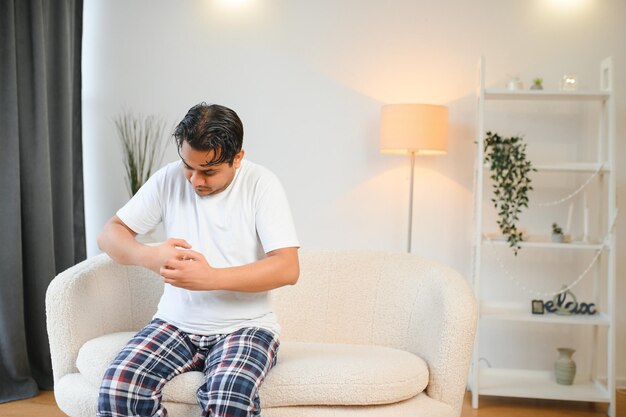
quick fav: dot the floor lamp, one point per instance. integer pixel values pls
(413, 129)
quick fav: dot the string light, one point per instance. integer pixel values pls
(572, 195)
(539, 293)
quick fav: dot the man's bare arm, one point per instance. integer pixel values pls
(190, 270)
(118, 241)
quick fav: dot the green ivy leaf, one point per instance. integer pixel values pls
(511, 182)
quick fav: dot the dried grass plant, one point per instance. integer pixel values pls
(143, 141)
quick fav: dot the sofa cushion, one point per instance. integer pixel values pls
(305, 374)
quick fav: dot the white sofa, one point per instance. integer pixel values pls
(364, 334)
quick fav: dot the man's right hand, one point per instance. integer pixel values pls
(156, 256)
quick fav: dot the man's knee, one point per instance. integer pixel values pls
(125, 391)
(229, 394)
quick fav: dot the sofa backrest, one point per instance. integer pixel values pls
(360, 297)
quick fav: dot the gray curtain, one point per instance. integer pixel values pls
(41, 189)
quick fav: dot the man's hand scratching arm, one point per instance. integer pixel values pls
(118, 241)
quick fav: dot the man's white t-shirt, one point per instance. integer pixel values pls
(237, 226)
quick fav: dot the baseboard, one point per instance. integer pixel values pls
(620, 383)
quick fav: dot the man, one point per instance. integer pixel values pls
(230, 240)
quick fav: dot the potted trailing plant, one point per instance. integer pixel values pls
(510, 169)
(143, 144)
(557, 233)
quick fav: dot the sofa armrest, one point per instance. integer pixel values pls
(444, 317)
(93, 298)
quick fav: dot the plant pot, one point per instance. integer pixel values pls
(565, 367)
(536, 87)
(557, 238)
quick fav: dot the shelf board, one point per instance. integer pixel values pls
(521, 313)
(569, 167)
(495, 94)
(573, 167)
(537, 242)
(538, 384)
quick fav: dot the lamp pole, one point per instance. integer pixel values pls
(408, 244)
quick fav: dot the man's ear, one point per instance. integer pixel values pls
(238, 158)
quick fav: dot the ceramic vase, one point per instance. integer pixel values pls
(565, 367)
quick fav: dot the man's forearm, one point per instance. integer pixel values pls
(263, 275)
(120, 244)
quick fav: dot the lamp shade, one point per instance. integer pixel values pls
(414, 128)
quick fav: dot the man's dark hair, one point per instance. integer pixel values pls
(211, 128)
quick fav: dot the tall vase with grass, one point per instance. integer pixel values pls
(143, 140)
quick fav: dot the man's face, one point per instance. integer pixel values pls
(207, 179)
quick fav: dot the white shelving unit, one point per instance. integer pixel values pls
(599, 384)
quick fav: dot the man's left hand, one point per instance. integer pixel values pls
(190, 270)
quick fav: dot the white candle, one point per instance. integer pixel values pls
(586, 226)
(585, 219)
(569, 218)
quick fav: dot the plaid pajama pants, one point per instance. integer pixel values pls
(234, 366)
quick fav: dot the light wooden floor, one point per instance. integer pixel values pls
(44, 405)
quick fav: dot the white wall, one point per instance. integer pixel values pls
(308, 79)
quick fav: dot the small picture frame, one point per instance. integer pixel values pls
(537, 306)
